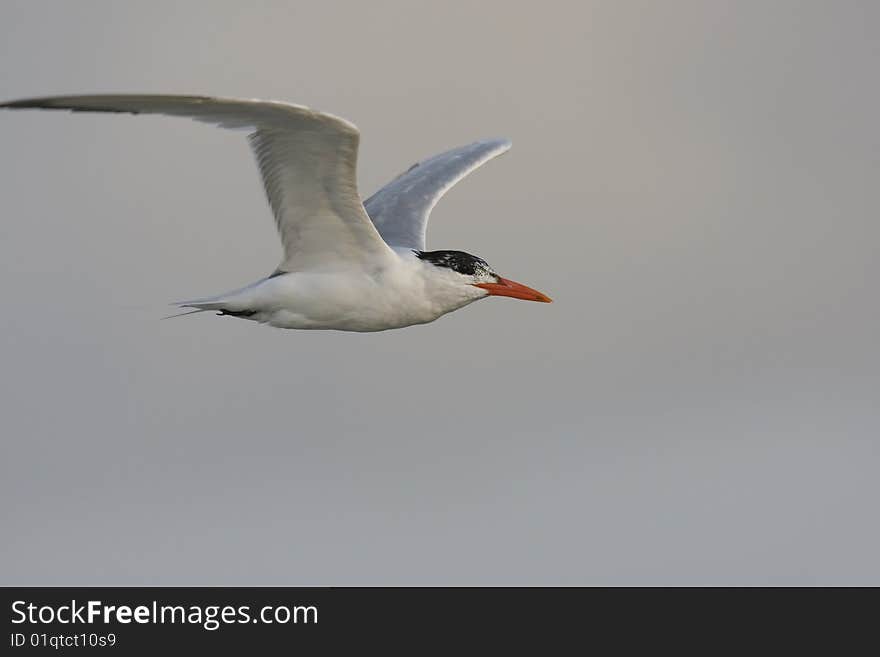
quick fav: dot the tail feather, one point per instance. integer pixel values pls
(189, 312)
(235, 303)
(198, 306)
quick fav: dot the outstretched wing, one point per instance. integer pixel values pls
(400, 210)
(308, 161)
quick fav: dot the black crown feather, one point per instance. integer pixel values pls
(463, 263)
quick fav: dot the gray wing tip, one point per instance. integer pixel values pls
(92, 102)
(70, 103)
(490, 147)
(502, 143)
(26, 103)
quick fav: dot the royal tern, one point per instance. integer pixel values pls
(347, 265)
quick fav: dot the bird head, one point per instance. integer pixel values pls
(465, 269)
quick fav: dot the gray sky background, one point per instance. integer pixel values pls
(694, 183)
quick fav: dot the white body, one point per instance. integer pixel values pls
(404, 292)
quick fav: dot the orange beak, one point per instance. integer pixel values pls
(507, 288)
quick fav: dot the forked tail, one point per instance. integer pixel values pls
(188, 312)
(237, 303)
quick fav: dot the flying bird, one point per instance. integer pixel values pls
(347, 265)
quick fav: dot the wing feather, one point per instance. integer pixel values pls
(400, 210)
(307, 159)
